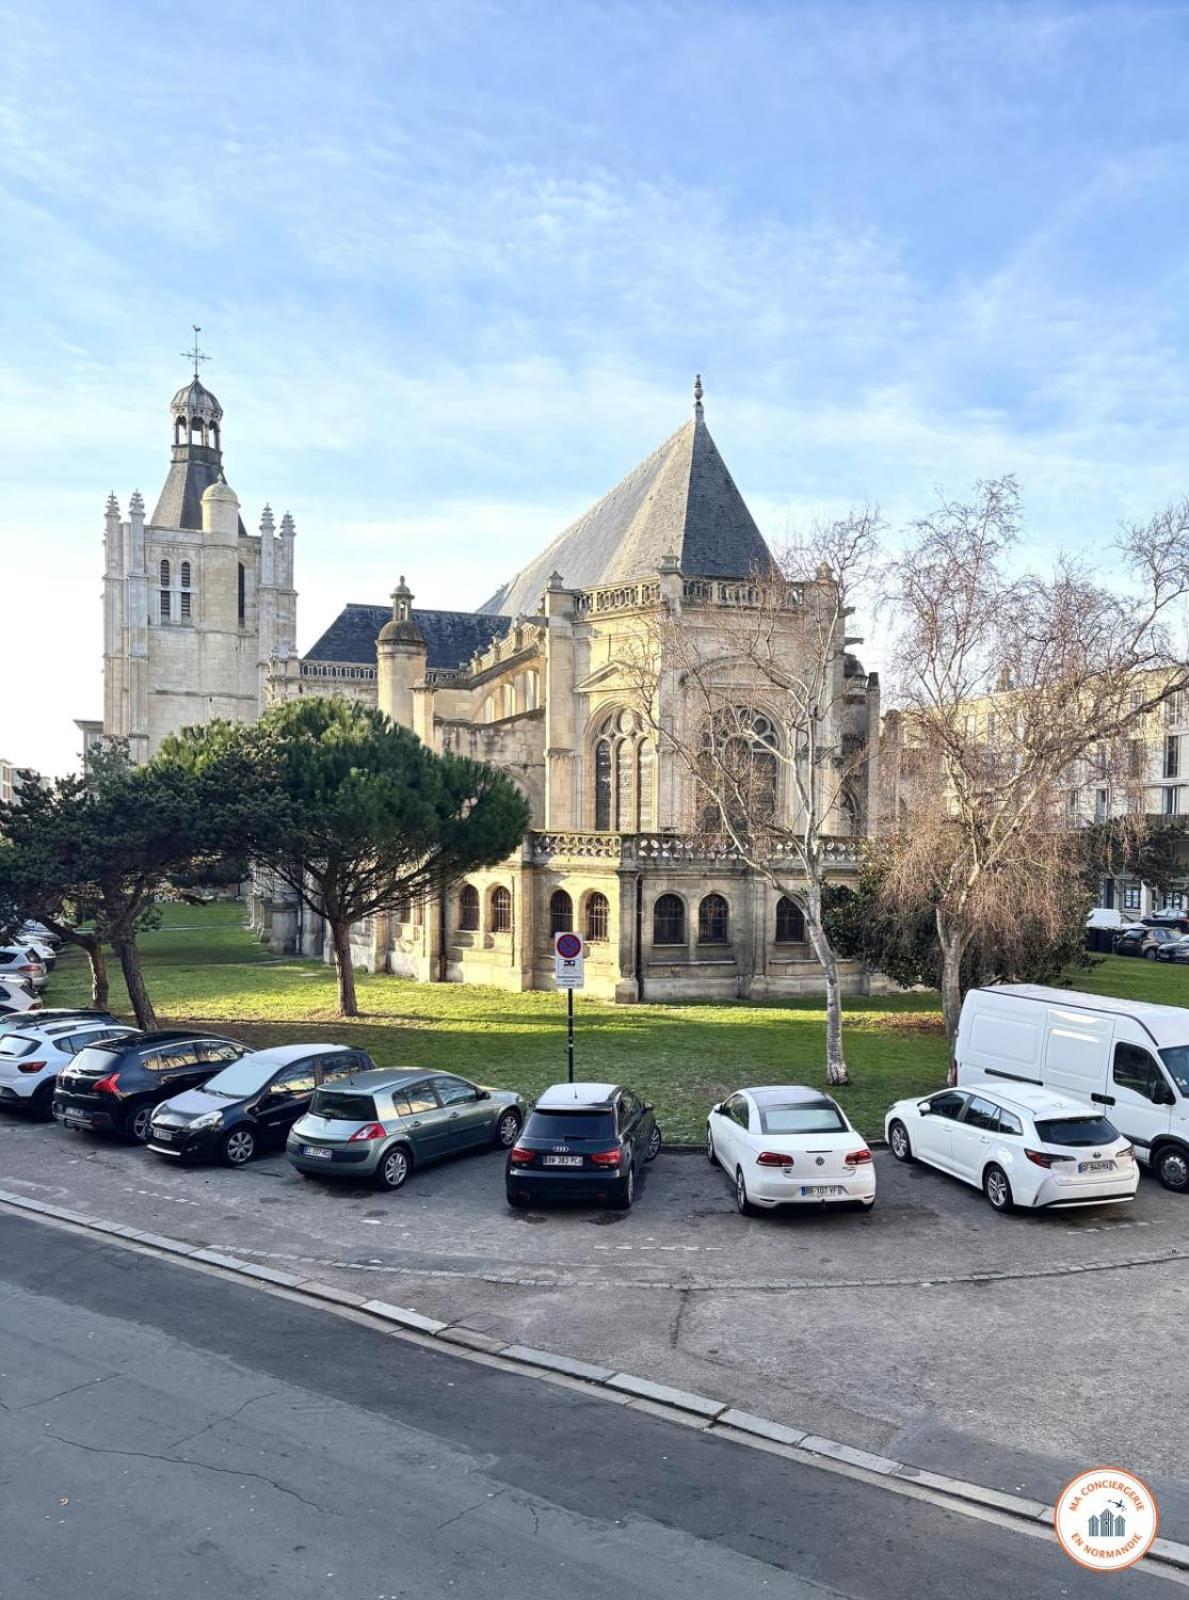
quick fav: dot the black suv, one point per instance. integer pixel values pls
(582, 1141)
(113, 1087)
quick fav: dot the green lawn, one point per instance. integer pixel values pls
(202, 964)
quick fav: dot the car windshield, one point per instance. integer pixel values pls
(343, 1107)
(801, 1119)
(571, 1123)
(12, 1046)
(246, 1076)
(1077, 1131)
(1176, 1059)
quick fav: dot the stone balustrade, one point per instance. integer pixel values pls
(664, 848)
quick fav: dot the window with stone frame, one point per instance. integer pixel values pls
(598, 918)
(713, 919)
(668, 920)
(561, 912)
(501, 910)
(790, 922)
(624, 774)
(468, 908)
(738, 771)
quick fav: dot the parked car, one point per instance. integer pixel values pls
(1178, 921)
(16, 962)
(37, 932)
(32, 1056)
(1128, 1057)
(381, 1125)
(250, 1105)
(789, 1146)
(48, 1014)
(113, 1088)
(1023, 1146)
(582, 1141)
(17, 996)
(1174, 950)
(1140, 940)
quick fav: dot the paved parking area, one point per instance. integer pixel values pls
(1004, 1349)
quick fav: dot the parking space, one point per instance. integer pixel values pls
(901, 1329)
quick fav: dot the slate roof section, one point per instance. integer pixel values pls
(179, 505)
(681, 500)
(451, 637)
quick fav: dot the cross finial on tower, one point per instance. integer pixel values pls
(196, 355)
(697, 394)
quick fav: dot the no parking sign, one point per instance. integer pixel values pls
(567, 961)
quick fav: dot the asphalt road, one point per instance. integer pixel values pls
(168, 1431)
(930, 1330)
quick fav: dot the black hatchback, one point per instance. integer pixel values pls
(582, 1141)
(113, 1087)
(250, 1105)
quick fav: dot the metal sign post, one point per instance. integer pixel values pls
(568, 964)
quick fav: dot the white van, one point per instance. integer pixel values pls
(1129, 1057)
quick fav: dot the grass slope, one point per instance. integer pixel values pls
(203, 964)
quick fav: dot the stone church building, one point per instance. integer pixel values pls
(200, 622)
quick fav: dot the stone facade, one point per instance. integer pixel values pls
(545, 695)
(196, 611)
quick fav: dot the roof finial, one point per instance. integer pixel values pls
(196, 355)
(697, 394)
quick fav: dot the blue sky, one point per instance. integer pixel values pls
(457, 263)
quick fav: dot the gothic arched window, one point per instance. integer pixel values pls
(624, 774)
(468, 908)
(501, 910)
(668, 920)
(790, 922)
(738, 771)
(598, 918)
(561, 912)
(712, 920)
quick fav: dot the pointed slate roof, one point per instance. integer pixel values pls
(179, 505)
(451, 637)
(681, 501)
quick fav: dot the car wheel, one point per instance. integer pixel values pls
(1149, 955)
(711, 1153)
(997, 1189)
(899, 1142)
(138, 1127)
(1172, 1168)
(395, 1166)
(239, 1146)
(742, 1204)
(506, 1129)
(654, 1144)
(41, 1105)
(623, 1200)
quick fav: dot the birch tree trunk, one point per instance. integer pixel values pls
(953, 941)
(836, 1072)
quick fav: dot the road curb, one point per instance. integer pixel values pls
(466, 1343)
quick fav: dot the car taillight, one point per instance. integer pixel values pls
(31, 1066)
(373, 1131)
(773, 1158)
(605, 1158)
(854, 1157)
(1125, 1154)
(1041, 1158)
(106, 1085)
(522, 1157)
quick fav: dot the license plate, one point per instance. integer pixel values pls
(823, 1189)
(320, 1155)
(163, 1134)
(1096, 1166)
(562, 1161)
(75, 1116)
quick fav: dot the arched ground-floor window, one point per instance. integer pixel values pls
(598, 918)
(668, 920)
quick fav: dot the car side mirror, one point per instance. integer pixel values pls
(483, 1094)
(716, 1110)
(924, 1108)
(1165, 1096)
(648, 1106)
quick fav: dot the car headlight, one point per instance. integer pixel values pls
(210, 1119)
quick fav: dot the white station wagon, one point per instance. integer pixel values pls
(1024, 1147)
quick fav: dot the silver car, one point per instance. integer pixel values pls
(380, 1125)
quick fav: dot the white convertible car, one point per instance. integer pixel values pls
(789, 1146)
